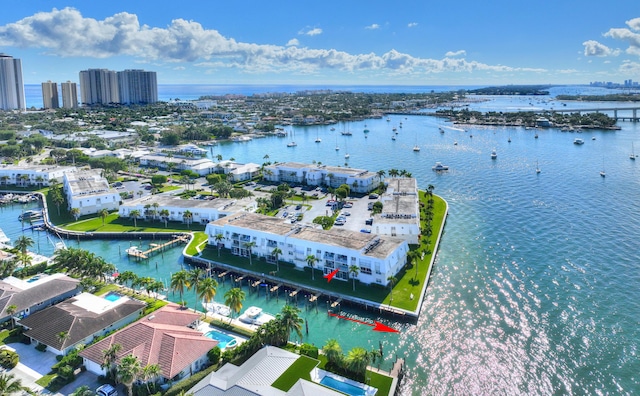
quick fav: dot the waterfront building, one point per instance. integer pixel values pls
(50, 95)
(202, 211)
(165, 337)
(359, 180)
(137, 87)
(400, 215)
(202, 166)
(190, 149)
(35, 294)
(241, 172)
(32, 175)
(378, 257)
(111, 138)
(11, 85)
(83, 318)
(89, 192)
(99, 87)
(69, 95)
(256, 376)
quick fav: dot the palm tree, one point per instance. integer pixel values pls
(392, 282)
(249, 246)
(83, 390)
(312, 260)
(357, 360)
(23, 243)
(155, 209)
(233, 298)
(164, 213)
(290, 320)
(62, 337)
(135, 214)
(129, 369)
(354, 270)
(109, 357)
(9, 385)
(10, 310)
(75, 212)
(207, 291)
(333, 352)
(277, 252)
(381, 174)
(103, 215)
(180, 281)
(195, 276)
(218, 238)
(150, 373)
(187, 216)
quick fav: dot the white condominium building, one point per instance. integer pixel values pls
(32, 175)
(359, 180)
(400, 215)
(69, 95)
(138, 87)
(89, 192)
(377, 257)
(99, 87)
(50, 95)
(11, 85)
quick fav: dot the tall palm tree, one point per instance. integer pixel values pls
(23, 243)
(290, 320)
(381, 174)
(249, 246)
(135, 214)
(333, 351)
(392, 282)
(277, 252)
(354, 270)
(207, 291)
(129, 370)
(164, 213)
(9, 385)
(195, 277)
(10, 310)
(234, 298)
(180, 281)
(187, 216)
(155, 210)
(150, 374)
(218, 238)
(103, 215)
(109, 357)
(312, 260)
(357, 360)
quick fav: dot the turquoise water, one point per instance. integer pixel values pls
(342, 386)
(112, 296)
(223, 339)
(535, 288)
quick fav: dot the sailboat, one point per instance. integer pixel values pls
(602, 172)
(632, 156)
(509, 140)
(416, 147)
(318, 140)
(345, 147)
(537, 167)
(337, 147)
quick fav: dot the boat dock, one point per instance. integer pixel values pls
(154, 248)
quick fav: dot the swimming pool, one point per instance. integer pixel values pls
(223, 339)
(342, 386)
(111, 296)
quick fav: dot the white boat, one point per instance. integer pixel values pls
(439, 167)
(455, 143)
(318, 140)
(602, 172)
(30, 215)
(333, 129)
(416, 148)
(292, 144)
(537, 167)
(216, 308)
(393, 137)
(347, 155)
(494, 155)
(632, 156)
(254, 315)
(578, 141)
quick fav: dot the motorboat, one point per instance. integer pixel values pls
(346, 133)
(416, 148)
(254, 315)
(292, 144)
(216, 308)
(393, 137)
(30, 215)
(494, 155)
(439, 167)
(318, 140)
(578, 141)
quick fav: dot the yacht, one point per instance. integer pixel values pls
(216, 308)
(30, 215)
(416, 148)
(494, 155)
(318, 140)
(254, 315)
(578, 141)
(439, 167)
(292, 144)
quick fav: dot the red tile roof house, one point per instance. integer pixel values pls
(165, 337)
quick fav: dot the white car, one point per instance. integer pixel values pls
(345, 213)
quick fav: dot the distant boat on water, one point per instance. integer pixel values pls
(537, 167)
(494, 155)
(292, 144)
(632, 156)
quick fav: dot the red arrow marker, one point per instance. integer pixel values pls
(330, 275)
(377, 326)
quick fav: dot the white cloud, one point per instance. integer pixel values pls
(629, 67)
(67, 33)
(312, 32)
(594, 48)
(412, 24)
(456, 53)
(373, 26)
(179, 68)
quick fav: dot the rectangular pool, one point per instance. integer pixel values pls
(342, 386)
(111, 296)
(223, 339)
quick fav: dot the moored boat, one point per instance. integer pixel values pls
(216, 308)
(254, 315)
(439, 167)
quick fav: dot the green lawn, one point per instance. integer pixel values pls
(300, 369)
(114, 223)
(198, 243)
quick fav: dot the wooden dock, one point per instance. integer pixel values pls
(336, 303)
(314, 298)
(275, 288)
(144, 254)
(294, 293)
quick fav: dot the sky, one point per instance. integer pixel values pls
(348, 42)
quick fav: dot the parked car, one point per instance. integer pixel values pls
(106, 390)
(366, 230)
(373, 196)
(348, 205)
(285, 214)
(345, 213)
(298, 207)
(369, 221)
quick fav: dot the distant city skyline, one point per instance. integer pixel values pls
(350, 43)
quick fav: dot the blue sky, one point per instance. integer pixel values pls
(328, 42)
